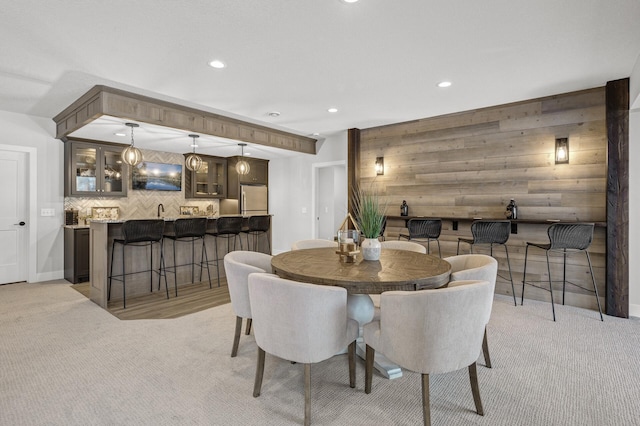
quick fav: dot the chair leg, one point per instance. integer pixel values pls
(513, 289)
(163, 269)
(564, 272)
(439, 251)
(368, 369)
(217, 259)
(206, 262)
(259, 373)
(113, 249)
(524, 274)
(175, 268)
(595, 288)
(124, 279)
(248, 329)
(352, 364)
(426, 409)
(553, 309)
(485, 349)
(307, 394)
(236, 337)
(475, 389)
(458, 249)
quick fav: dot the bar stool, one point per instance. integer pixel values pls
(424, 230)
(492, 232)
(258, 225)
(138, 233)
(567, 238)
(189, 230)
(227, 227)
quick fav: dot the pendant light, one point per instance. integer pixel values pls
(132, 155)
(193, 161)
(242, 167)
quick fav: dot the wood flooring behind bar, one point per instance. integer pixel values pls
(191, 298)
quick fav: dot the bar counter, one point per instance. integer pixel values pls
(102, 234)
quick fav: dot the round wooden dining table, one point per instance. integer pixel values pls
(396, 270)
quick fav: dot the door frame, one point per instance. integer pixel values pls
(32, 203)
(314, 190)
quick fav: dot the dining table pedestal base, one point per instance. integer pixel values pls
(360, 308)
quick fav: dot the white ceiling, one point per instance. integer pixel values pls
(377, 61)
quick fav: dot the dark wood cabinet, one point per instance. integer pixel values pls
(76, 254)
(258, 174)
(94, 170)
(208, 182)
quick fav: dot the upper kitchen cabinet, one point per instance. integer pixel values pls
(94, 170)
(258, 174)
(208, 182)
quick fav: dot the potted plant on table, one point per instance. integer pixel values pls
(370, 213)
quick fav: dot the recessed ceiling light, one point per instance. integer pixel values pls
(349, 1)
(333, 110)
(315, 134)
(273, 114)
(217, 64)
(444, 84)
(120, 134)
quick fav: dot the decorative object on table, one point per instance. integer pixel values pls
(348, 245)
(189, 210)
(193, 161)
(404, 209)
(105, 213)
(157, 176)
(132, 155)
(512, 210)
(242, 166)
(370, 213)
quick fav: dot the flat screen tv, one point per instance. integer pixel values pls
(157, 176)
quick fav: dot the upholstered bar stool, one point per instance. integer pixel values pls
(227, 228)
(566, 238)
(257, 226)
(492, 233)
(189, 230)
(424, 230)
(138, 233)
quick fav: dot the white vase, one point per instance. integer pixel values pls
(371, 248)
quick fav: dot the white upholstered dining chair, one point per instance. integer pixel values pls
(315, 243)
(431, 332)
(238, 265)
(302, 323)
(404, 245)
(475, 267)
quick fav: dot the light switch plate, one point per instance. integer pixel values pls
(47, 212)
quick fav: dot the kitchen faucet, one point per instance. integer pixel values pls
(160, 206)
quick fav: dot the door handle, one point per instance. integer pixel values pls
(21, 224)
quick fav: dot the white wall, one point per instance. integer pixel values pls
(290, 192)
(37, 132)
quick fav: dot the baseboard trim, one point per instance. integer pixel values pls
(634, 310)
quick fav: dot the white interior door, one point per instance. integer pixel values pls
(13, 217)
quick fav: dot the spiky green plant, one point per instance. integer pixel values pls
(370, 210)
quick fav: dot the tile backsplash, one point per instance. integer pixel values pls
(143, 204)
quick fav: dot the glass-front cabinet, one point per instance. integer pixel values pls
(94, 170)
(208, 182)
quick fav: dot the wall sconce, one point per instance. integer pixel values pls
(562, 151)
(379, 165)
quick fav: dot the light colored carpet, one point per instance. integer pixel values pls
(65, 361)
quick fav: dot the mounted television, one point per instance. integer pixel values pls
(157, 176)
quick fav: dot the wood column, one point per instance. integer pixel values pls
(353, 164)
(617, 288)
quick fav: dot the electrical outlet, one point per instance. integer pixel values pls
(47, 212)
(304, 210)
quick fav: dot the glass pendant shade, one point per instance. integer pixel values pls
(131, 155)
(193, 161)
(242, 166)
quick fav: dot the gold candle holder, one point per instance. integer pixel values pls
(347, 246)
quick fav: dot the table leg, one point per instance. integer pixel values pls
(360, 308)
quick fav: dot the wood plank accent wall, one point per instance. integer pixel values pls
(104, 100)
(470, 164)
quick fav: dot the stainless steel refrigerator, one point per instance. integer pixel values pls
(254, 200)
